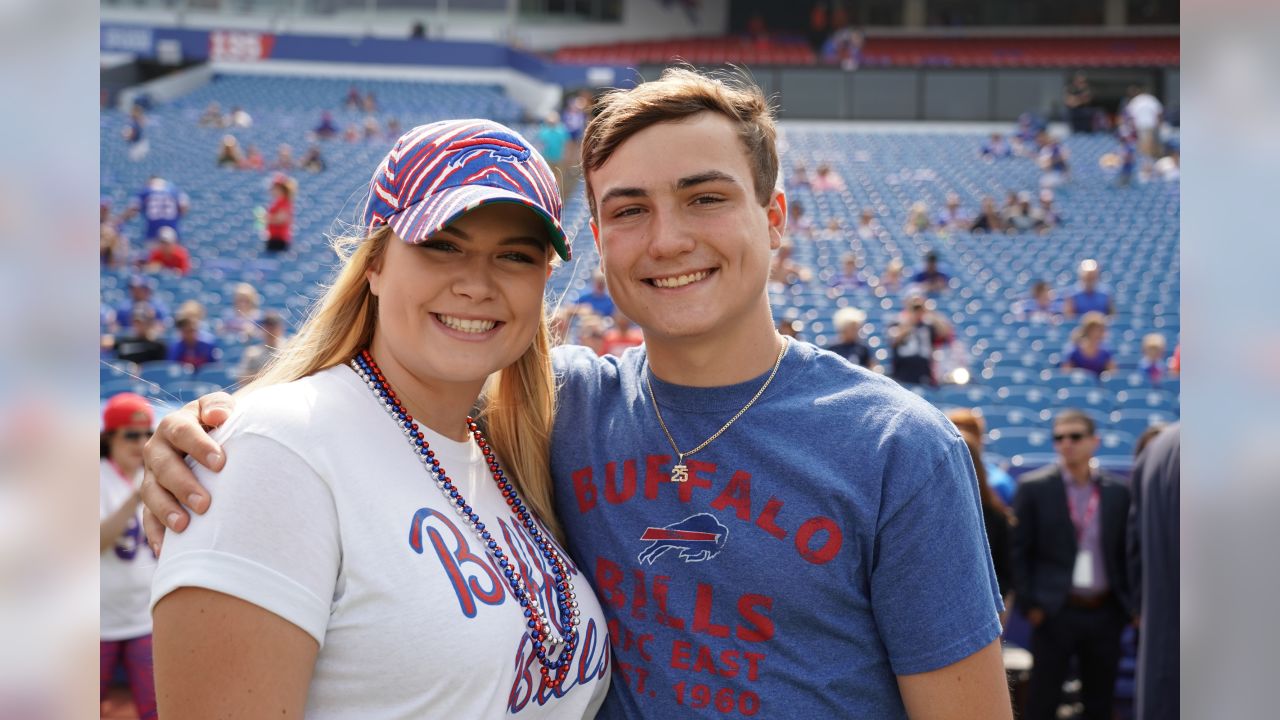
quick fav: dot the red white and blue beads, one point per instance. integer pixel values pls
(545, 641)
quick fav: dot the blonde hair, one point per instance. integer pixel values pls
(517, 408)
(1088, 321)
(1154, 340)
(847, 316)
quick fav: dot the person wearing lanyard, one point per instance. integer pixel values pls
(1070, 575)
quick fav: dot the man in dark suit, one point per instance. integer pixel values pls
(1070, 571)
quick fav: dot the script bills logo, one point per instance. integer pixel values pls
(698, 537)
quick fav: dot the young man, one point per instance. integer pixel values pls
(1070, 570)
(750, 559)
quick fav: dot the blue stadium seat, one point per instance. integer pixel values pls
(1005, 416)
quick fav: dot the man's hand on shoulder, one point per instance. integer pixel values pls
(182, 433)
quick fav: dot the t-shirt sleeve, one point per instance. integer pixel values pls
(933, 587)
(270, 536)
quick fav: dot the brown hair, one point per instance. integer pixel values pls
(972, 427)
(679, 93)
(517, 409)
(1076, 415)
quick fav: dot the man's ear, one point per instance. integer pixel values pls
(776, 211)
(595, 234)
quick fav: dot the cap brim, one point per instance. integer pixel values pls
(417, 222)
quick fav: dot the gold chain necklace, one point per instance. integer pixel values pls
(680, 473)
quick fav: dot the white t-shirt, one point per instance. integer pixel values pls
(126, 566)
(1145, 110)
(324, 516)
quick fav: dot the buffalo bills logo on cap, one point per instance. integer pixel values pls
(698, 537)
(439, 171)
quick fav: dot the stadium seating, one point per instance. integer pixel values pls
(1132, 232)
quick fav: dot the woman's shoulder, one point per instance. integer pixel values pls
(301, 408)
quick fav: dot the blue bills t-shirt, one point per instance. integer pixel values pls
(830, 540)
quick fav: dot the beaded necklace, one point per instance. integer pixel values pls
(544, 640)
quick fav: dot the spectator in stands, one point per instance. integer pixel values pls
(598, 300)
(552, 139)
(591, 332)
(952, 217)
(161, 205)
(988, 220)
(353, 99)
(370, 103)
(995, 148)
(1147, 113)
(189, 348)
(1017, 216)
(826, 179)
(313, 161)
(930, 280)
(327, 127)
(284, 158)
(799, 223)
(352, 133)
(113, 246)
(575, 114)
(996, 515)
(1087, 351)
(799, 177)
(918, 220)
(371, 129)
(393, 127)
(257, 356)
(848, 322)
(212, 116)
(279, 218)
(1154, 535)
(240, 117)
(135, 134)
(869, 226)
(168, 254)
(913, 339)
(142, 290)
(1053, 161)
(241, 320)
(1175, 362)
(1041, 307)
(142, 341)
(195, 310)
(1024, 136)
(417, 31)
(1168, 168)
(1000, 481)
(848, 278)
(229, 153)
(622, 335)
(126, 562)
(1070, 571)
(1152, 365)
(253, 159)
(1045, 215)
(891, 278)
(785, 270)
(1088, 295)
(1078, 99)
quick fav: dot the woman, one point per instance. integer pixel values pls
(241, 321)
(126, 560)
(996, 516)
(279, 218)
(367, 555)
(1086, 351)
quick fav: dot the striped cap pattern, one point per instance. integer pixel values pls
(439, 171)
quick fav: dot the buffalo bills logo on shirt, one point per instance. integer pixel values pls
(698, 537)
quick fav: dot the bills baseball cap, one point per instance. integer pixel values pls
(437, 172)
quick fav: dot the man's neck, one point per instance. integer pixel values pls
(1080, 474)
(725, 359)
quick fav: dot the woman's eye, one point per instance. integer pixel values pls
(441, 245)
